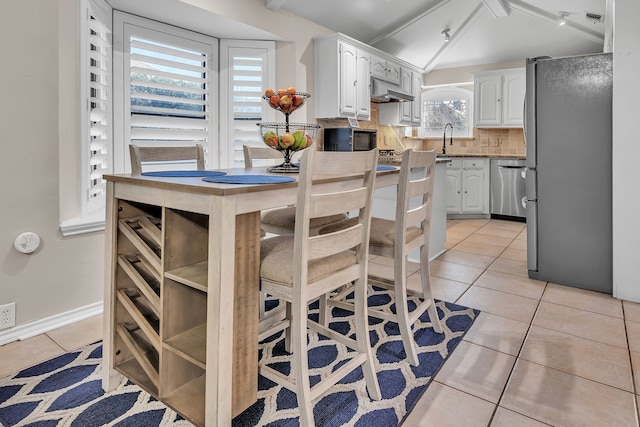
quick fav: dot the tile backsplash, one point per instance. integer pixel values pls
(506, 142)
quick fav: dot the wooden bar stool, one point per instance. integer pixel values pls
(300, 268)
(396, 239)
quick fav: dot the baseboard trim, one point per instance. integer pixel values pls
(22, 332)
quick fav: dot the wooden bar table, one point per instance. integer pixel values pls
(182, 288)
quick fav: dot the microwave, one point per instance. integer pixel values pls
(349, 139)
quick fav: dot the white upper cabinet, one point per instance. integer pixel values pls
(405, 107)
(343, 71)
(499, 98)
(342, 80)
(404, 113)
(386, 70)
(416, 105)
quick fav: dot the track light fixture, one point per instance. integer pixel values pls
(447, 36)
(562, 18)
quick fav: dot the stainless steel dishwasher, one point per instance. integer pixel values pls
(508, 196)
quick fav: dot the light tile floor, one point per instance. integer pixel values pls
(539, 353)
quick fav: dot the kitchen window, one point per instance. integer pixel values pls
(447, 105)
(247, 68)
(168, 88)
(146, 82)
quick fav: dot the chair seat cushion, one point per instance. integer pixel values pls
(286, 218)
(383, 232)
(276, 261)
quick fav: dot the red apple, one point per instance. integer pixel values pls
(274, 101)
(287, 140)
(309, 140)
(285, 103)
(297, 100)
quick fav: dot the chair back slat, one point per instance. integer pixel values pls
(416, 216)
(325, 245)
(334, 203)
(259, 153)
(144, 154)
(418, 187)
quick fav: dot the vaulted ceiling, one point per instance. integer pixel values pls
(480, 31)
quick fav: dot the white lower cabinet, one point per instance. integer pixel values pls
(467, 187)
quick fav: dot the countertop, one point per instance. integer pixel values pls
(396, 159)
(487, 156)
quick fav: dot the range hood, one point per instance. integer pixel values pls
(382, 91)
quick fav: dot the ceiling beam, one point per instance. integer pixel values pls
(545, 16)
(399, 26)
(274, 4)
(455, 35)
(497, 7)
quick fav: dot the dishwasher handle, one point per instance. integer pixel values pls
(511, 167)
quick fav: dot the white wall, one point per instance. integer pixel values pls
(63, 274)
(465, 74)
(626, 151)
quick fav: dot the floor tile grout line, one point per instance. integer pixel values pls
(633, 378)
(506, 384)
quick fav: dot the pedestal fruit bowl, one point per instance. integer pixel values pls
(284, 136)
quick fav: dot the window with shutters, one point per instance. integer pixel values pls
(168, 88)
(163, 91)
(96, 126)
(247, 68)
(95, 129)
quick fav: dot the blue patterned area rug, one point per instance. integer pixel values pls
(66, 391)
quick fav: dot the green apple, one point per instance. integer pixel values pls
(299, 140)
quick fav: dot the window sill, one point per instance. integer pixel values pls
(76, 226)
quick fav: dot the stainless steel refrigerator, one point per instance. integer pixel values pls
(568, 109)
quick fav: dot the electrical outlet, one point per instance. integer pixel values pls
(7, 315)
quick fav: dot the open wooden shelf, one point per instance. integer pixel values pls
(190, 345)
(189, 400)
(194, 275)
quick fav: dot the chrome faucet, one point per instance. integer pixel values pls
(444, 138)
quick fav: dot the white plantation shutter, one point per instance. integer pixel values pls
(97, 150)
(249, 71)
(169, 88)
(247, 102)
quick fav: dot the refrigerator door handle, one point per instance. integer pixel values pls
(530, 113)
(532, 184)
(532, 238)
